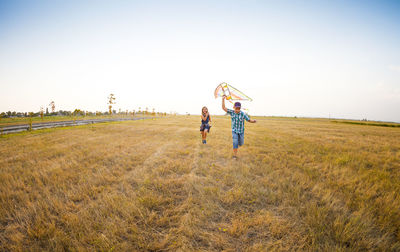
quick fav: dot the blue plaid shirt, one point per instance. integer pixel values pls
(238, 120)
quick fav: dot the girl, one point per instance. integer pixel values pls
(205, 126)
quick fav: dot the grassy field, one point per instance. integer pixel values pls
(151, 186)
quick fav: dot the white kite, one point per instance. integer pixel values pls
(231, 93)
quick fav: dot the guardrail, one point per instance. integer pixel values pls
(45, 125)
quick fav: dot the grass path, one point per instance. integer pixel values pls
(153, 186)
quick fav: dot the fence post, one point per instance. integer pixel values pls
(30, 123)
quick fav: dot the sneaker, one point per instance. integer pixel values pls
(234, 157)
(204, 141)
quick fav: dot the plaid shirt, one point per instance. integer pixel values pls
(238, 121)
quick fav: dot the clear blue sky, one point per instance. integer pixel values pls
(294, 58)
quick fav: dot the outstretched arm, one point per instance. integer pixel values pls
(223, 104)
(248, 119)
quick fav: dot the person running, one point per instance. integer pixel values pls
(205, 126)
(237, 121)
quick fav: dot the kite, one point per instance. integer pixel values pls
(231, 93)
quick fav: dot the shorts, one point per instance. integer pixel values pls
(205, 127)
(238, 139)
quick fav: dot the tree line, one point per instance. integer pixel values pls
(78, 112)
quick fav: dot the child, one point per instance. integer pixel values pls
(237, 118)
(205, 126)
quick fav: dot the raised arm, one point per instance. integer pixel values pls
(223, 104)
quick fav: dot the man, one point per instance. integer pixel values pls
(237, 118)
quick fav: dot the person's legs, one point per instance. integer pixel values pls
(205, 135)
(235, 142)
(202, 136)
(235, 153)
(241, 139)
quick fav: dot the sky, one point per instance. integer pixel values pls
(337, 59)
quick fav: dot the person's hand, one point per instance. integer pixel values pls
(254, 121)
(224, 97)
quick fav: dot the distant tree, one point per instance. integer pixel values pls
(53, 106)
(47, 110)
(41, 112)
(111, 101)
(64, 112)
(79, 112)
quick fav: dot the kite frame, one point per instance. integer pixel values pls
(226, 90)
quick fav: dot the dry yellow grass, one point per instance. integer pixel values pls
(151, 185)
